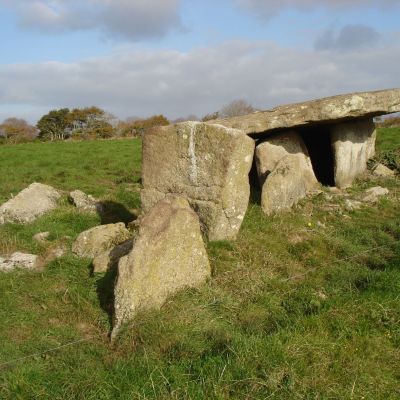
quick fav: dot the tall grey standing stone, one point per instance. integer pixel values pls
(285, 171)
(353, 145)
(29, 204)
(167, 256)
(207, 164)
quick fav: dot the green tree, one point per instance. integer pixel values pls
(91, 122)
(55, 125)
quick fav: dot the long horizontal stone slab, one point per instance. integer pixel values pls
(323, 111)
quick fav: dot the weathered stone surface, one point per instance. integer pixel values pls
(18, 260)
(285, 171)
(84, 202)
(208, 165)
(41, 237)
(99, 239)
(328, 110)
(109, 258)
(383, 170)
(286, 184)
(351, 205)
(29, 204)
(353, 145)
(373, 194)
(168, 255)
(274, 149)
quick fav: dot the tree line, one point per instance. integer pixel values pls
(95, 123)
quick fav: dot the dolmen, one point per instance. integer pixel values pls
(196, 184)
(295, 148)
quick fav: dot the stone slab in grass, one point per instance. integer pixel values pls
(99, 239)
(29, 204)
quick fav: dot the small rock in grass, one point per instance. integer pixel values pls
(334, 190)
(351, 205)
(29, 204)
(18, 260)
(372, 195)
(382, 170)
(84, 202)
(41, 237)
(99, 239)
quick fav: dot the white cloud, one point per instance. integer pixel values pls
(137, 82)
(266, 9)
(129, 19)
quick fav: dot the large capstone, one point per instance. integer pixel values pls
(285, 171)
(167, 256)
(330, 110)
(353, 145)
(29, 204)
(207, 164)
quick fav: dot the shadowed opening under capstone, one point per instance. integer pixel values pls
(318, 142)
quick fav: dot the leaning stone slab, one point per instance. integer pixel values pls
(285, 171)
(274, 149)
(18, 260)
(286, 185)
(99, 239)
(168, 255)
(208, 165)
(353, 145)
(328, 110)
(29, 204)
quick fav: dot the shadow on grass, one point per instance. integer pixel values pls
(105, 284)
(111, 212)
(105, 292)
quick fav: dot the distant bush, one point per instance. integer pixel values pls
(138, 127)
(16, 130)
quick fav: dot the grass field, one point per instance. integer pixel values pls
(303, 305)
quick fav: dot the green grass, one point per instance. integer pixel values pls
(389, 151)
(304, 305)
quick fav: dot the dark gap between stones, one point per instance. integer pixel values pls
(318, 142)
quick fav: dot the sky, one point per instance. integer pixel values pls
(137, 58)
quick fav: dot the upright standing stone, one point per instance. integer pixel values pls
(167, 256)
(353, 145)
(207, 164)
(285, 171)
